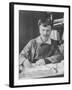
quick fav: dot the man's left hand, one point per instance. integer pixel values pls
(40, 62)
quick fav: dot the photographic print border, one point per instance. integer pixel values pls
(11, 43)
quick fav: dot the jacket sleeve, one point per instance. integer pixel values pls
(56, 56)
(25, 52)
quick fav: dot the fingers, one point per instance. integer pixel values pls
(27, 64)
(40, 62)
(20, 68)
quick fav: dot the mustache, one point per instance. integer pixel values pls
(45, 35)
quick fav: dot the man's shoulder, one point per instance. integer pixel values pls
(34, 39)
(33, 42)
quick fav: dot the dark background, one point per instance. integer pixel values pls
(28, 25)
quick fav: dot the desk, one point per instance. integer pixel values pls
(48, 70)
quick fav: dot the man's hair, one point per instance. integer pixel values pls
(45, 22)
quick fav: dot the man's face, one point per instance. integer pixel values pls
(45, 31)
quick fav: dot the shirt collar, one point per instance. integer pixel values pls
(38, 39)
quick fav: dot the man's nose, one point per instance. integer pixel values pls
(45, 32)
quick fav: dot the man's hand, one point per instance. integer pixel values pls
(21, 59)
(27, 64)
(20, 68)
(40, 62)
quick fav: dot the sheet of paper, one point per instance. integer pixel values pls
(43, 71)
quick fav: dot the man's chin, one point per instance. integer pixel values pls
(46, 37)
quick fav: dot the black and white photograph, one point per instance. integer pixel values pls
(41, 44)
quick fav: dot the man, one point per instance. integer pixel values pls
(41, 50)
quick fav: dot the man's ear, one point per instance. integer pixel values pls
(39, 22)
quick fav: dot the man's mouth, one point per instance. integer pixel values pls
(46, 35)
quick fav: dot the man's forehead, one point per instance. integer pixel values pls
(45, 27)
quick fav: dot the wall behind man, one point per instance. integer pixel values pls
(28, 26)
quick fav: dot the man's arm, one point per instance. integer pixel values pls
(25, 53)
(56, 57)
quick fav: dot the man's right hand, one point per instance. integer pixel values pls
(27, 64)
(24, 65)
(20, 68)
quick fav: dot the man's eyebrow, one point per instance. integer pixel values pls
(48, 29)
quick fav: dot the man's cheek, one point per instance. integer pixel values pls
(48, 33)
